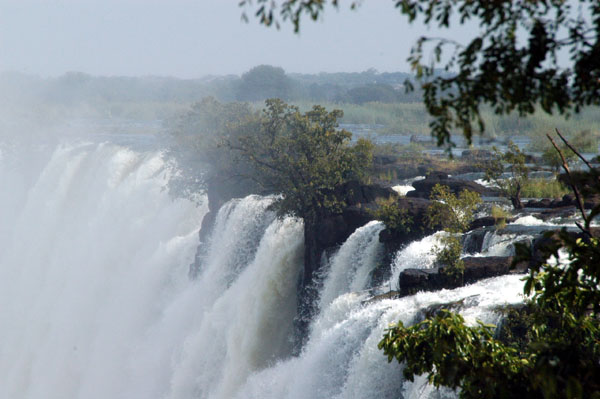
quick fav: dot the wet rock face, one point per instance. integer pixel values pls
(423, 187)
(355, 193)
(476, 268)
(568, 200)
(477, 154)
(487, 221)
(473, 240)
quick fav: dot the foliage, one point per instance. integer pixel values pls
(518, 172)
(449, 352)
(543, 188)
(449, 212)
(409, 118)
(500, 216)
(556, 354)
(262, 82)
(388, 176)
(585, 140)
(549, 350)
(382, 93)
(196, 137)
(552, 159)
(304, 157)
(512, 64)
(453, 214)
(447, 255)
(395, 218)
(553, 363)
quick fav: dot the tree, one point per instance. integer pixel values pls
(202, 162)
(304, 158)
(454, 214)
(513, 62)
(383, 93)
(262, 82)
(518, 172)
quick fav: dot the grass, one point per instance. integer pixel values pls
(542, 188)
(412, 118)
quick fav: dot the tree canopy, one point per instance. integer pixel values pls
(262, 82)
(197, 151)
(304, 157)
(524, 55)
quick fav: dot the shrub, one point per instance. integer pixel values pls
(500, 216)
(447, 256)
(542, 188)
(395, 218)
(449, 212)
(454, 215)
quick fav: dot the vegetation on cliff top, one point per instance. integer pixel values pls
(303, 157)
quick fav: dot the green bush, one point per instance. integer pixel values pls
(395, 218)
(500, 216)
(449, 212)
(454, 215)
(542, 188)
(447, 256)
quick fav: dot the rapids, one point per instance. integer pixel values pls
(96, 303)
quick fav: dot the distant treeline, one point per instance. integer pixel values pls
(377, 100)
(257, 84)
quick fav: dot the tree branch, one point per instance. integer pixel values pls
(565, 166)
(592, 169)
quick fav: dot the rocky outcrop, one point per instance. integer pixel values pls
(472, 241)
(586, 181)
(476, 268)
(476, 154)
(487, 221)
(326, 233)
(416, 209)
(568, 200)
(423, 187)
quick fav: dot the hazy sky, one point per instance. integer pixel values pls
(192, 38)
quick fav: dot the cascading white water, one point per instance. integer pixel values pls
(95, 299)
(341, 359)
(91, 249)
(416, 255)
(94, 296)
(350, 268)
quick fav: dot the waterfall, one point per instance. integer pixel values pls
(351, 266)
(341, 359)
(96, 303)
(90, 251)
(416, 255)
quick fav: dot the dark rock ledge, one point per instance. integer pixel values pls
(476, 268)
